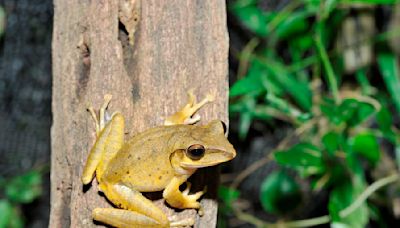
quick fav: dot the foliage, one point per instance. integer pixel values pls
(2, 21)
(22, 189)
(294, 71)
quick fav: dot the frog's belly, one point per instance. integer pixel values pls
(147, 174)
(147, 182)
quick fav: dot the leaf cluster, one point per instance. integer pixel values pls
(19, 190)
(292, 71)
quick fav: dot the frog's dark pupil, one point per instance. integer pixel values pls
(196, 152)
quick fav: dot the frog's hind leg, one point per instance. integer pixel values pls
(138, 210)
(110, 138)
(123, 218)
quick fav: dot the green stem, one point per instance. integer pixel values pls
(331, 78)
(368, 192)
(245, 56)
(326, 218)
(309, 222)
(363, 80)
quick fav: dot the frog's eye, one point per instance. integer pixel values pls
(195, 152)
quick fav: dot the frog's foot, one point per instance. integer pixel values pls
(137, 210)
(181, 223)
(191, 200)
(104, 117)
(187, 114)
(125, 218)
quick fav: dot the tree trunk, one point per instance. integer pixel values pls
(178, 45)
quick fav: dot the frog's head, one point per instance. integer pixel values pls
(203, 146)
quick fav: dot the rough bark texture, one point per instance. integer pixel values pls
(179, 45)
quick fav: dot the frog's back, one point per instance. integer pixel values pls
(143, 162)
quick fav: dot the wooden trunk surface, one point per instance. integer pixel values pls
(179, 45)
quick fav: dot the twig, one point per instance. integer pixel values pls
(326, 218)
(249, 170)
(367, 192)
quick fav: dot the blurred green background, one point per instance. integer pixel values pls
(314, 103)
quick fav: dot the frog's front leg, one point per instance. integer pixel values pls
(110, 138)
(178, 199)
(137, 211)
(187, 114)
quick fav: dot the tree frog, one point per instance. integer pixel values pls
(160, 158)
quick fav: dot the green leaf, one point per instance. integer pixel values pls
(330, 110)
(373, 2)
(295, 22)
(2, 21)
(384, 119)
(300, 44)
(252, 17)
(282, 105)
(350, 111)
(246, 108)
(246, 85)
(6, 211)
(304, 157)
(298, 90)
(388, 65)
(312, 6)
(329, 6)
(354, 112)
(24, 188)
(253, 84)
(17, 220)
(366, 145)
(332, 142)
(228, 195)
(345, 193)
(279, 193)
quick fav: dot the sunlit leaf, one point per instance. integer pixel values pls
(342, 196)
(246, 85)
(279, 193)
(354, 112)
(373, 2)
(295, 22)
(298, 90)
(24, 188)
(304, 157)
(2, 21)
(6, 211)
(332, 142)
(388, 65)
(228, 195)
(384, 119)
(350, 111)
(252, 17)
(366, 145)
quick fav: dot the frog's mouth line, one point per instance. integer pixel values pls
(211, 159)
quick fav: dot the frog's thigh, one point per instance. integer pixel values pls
(110, 140)
(132, 200)
(123, 218)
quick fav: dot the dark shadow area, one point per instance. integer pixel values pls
(25, 97)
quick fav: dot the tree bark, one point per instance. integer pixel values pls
(178, 45)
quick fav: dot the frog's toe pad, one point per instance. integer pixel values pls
(192, 120)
